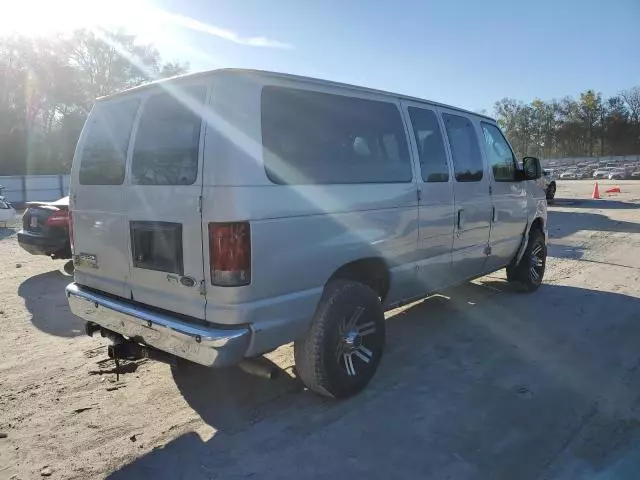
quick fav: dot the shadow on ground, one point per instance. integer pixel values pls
(563, 223)
(603, 204)
(487, 383)
(565, 251)
(44, 294)
(229, 398)
(6, 232)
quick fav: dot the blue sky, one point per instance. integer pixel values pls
(468, 53)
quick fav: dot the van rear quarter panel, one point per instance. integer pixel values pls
(300, 234)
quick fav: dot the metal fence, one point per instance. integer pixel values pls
(19, 189)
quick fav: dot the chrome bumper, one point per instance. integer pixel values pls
(212, 347)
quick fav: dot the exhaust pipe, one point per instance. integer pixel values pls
(259, 369)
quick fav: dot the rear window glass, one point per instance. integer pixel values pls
(105, 148)
(319, 138)
(433, 159)
(167, 143)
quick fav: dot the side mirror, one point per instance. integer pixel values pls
(531, 168)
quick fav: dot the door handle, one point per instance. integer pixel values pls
(460, 218)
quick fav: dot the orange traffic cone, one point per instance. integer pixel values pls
(596, 191)
(615, 189)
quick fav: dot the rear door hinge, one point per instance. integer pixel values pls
(419, 194)
(200, 203)
(203, 288)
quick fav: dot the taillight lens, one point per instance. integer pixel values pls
(230, 254)
(59, 218)
(71, 230)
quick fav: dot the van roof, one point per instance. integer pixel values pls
(269, 74)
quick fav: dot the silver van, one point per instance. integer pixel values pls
(219, 215)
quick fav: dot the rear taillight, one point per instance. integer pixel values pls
(71, 230)
(59, 218)
(230, 254)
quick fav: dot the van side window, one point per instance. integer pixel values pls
(499, 154)
(167, 143)
(105, 148)
(319, 138)
(465, 151)
(433, 159)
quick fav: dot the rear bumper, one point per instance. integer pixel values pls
(44, 245)
(206, 345)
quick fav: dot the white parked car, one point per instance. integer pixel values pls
(7, 212)
(220, 215)
(569, 175)
(602, 172)
(618, 174)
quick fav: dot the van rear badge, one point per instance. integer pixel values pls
(187, 281)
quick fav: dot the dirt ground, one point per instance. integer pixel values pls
(481, 383)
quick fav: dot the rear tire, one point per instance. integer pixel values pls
(341, 351)
(530, 271)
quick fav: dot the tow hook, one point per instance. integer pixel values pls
(90, 328)
(122, 349)
(125, 351)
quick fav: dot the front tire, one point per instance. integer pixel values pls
(551, 191)
(341, 352)
(69, 268)
(530, 271)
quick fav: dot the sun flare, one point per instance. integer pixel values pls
(36, 18)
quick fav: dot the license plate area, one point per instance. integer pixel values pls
(157, 246)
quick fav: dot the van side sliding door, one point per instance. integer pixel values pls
(472, 216)
(435, 194)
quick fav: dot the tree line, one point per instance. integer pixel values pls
(585, 127)
(48, 85)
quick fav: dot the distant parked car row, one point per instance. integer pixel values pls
(617, 173)
(608, 172)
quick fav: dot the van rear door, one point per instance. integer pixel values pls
(97, 201)
(163, 201)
